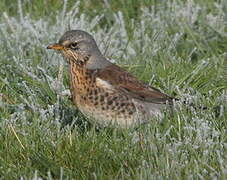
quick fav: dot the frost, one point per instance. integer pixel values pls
(23, 45)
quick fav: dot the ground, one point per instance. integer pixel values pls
(177, 46)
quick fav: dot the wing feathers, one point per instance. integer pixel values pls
(116, 78)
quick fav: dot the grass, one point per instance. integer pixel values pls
(177, 46)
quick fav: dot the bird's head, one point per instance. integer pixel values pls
(79, 47)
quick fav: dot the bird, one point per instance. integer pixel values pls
(103, 91)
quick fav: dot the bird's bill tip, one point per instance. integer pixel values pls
(55, 46)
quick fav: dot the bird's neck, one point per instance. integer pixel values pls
(97, 61)
(84, 74)
(80, 77)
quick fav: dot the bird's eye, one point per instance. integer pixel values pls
(74, 46)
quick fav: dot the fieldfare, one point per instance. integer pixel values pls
(103, 91)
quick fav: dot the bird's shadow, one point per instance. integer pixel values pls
(71, 117)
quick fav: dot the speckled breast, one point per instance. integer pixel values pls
(104, 106)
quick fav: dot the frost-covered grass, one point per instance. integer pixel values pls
(179, 47)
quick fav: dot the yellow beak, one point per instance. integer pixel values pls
(55, 46)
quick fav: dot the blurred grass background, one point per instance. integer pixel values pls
(177, 46)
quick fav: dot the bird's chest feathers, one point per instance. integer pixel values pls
(82, 79)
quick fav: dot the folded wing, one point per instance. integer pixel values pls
(114, 76)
